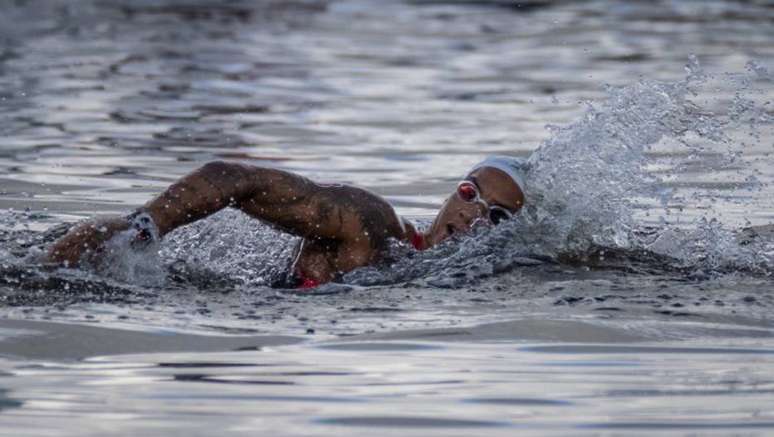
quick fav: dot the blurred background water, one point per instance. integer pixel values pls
(104, 103)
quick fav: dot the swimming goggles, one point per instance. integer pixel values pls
(469, 192)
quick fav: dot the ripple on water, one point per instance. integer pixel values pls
(6, 402)
(387, 346)
(204, 365)
(665, 424)
(643, 393)
(639, 350)
(408, 422)
(238, 380)
(520, 401)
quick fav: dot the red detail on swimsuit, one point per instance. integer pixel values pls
(418, 240)
(308, 283)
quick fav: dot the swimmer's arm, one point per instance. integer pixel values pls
(286, 200)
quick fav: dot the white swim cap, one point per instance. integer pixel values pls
(513, 167)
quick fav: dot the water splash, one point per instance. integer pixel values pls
(585, 183)
(584, 180)
(231, 245)
(122, 261)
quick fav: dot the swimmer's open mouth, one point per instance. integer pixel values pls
(450, 230)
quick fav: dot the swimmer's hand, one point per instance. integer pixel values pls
(86, 240)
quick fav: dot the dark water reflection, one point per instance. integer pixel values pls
(8, 402)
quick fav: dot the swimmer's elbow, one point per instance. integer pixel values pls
(230, 179)
(221, 168)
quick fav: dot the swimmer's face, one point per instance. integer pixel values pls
(459, 213)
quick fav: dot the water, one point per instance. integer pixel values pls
(624, 300)
(405, 388)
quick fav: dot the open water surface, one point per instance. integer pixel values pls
(627, 298)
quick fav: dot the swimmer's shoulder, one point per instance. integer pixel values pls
(375, 214)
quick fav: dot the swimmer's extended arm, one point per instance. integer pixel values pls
(286, 200)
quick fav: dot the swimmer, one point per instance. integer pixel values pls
(342, 227)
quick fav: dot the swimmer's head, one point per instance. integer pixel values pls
(491, 192)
